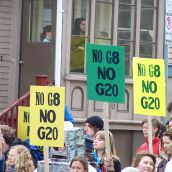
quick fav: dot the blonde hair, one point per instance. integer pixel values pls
(101, 134)
(23, 162)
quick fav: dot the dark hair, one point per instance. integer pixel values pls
(139, 156)
(46, 28)
(168, 133)
(82, 160)
(155, 124)
(169, 107)
(76, 28)
(8, 133)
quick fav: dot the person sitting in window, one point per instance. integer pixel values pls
(79, 27)
(46, 34)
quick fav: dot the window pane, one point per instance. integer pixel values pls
(126, 31)
(40, 20)
(147, 50)
(127, 1)
(103, 22)
(128, 54)
(148, 3)
(79, 35)
(148, 28)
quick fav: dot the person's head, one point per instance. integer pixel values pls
(46, 33)
(93, 124)
(78, 164)
(169, 108)
(8, 134)
(145, 162)
(167, 141)
(170, 123)
(130, 169)
(79, 26)
(99, 143)
(20, 158)
(155, 127)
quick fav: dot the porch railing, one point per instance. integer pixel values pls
(9, 115)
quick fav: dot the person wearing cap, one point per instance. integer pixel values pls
(92, 125)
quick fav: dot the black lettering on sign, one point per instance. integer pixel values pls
(141, 69)
(106, 73)
(26, 117)
(106, 89)
(47, 116)
(150, 102)
(39, 98)
(154, 70)
(47, 133)
(149, 86)
(28, 130)
(97, 55)
(112, 57)
(53, 99)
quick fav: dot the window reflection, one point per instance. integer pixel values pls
(79, 35)
(40, 20)
(126, 31)
(103, 22)
(148, 28)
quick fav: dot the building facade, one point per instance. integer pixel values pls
(138, 25)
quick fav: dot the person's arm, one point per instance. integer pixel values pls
(117, 165)
(68, 116)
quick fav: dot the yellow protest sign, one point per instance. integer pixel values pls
(23, 122)
(149, 86)
(47, 116)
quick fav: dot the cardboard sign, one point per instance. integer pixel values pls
(149, 86)
(47, 116)
(105, 73)
(23, 122)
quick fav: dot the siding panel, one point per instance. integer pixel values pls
(5, 32)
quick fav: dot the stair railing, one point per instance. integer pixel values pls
(9, 115)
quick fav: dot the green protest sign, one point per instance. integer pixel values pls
(105, 73)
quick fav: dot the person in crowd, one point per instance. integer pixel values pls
(168, 167)
(130, 169)
(145, 162)
(166, 120)
(19, 159)
(156, 143)
(92, 125)
(166, 143)
(10, 140)
(46, 36)
(100, 150)
(169, 108)
(78, 164)
(170, 123)
(79, 27)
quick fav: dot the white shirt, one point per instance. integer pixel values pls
(168, 167)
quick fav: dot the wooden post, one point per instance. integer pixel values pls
(106, 128)
(46, 156)
(150, 134)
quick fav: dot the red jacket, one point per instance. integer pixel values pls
(156, 144)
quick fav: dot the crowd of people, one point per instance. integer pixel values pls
(17, 156)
